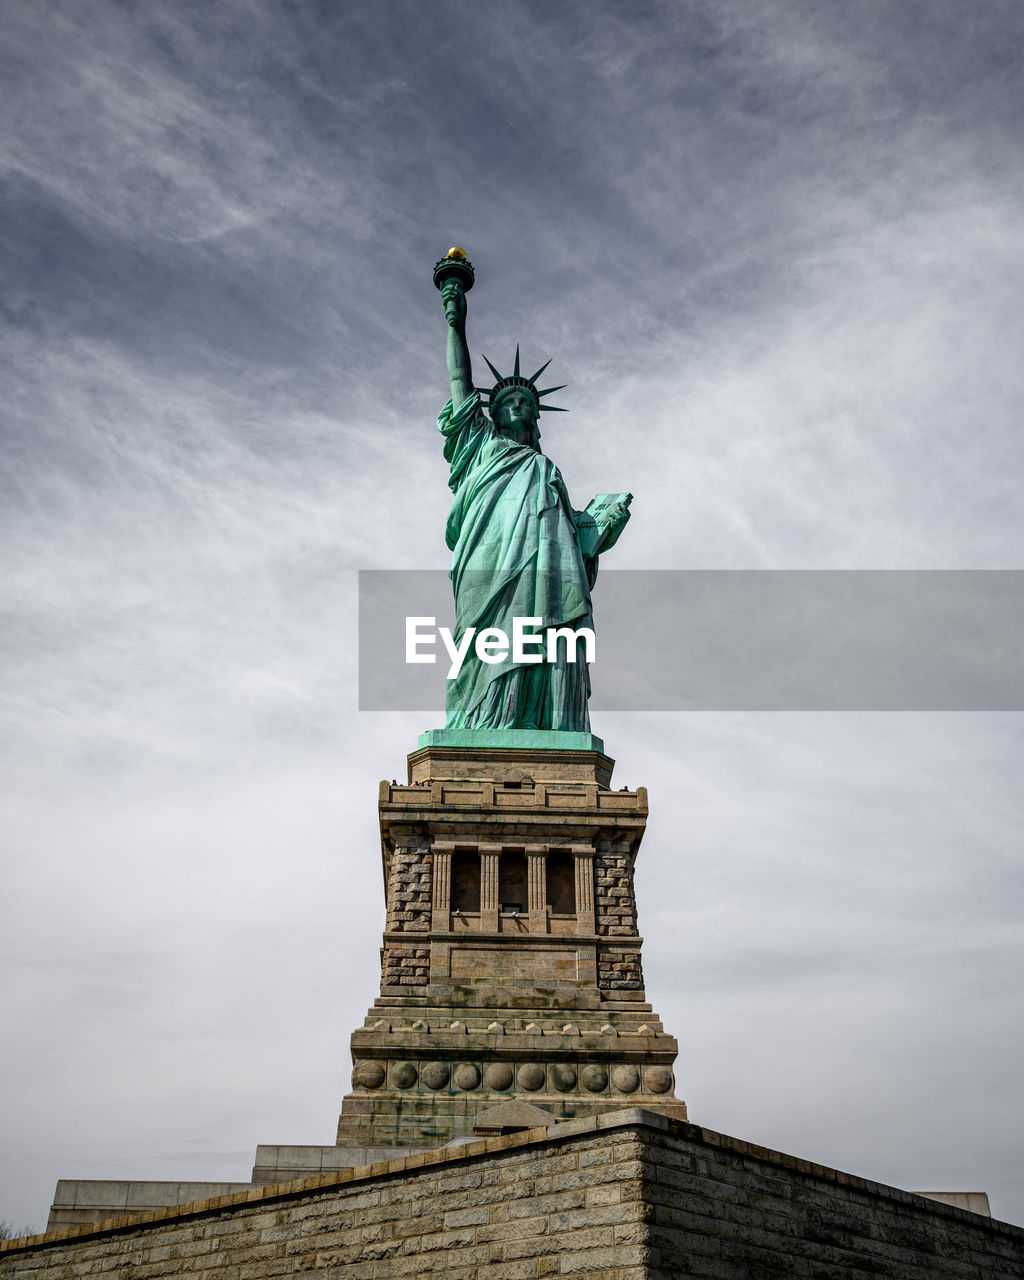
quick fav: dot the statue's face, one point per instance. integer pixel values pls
(516, 414)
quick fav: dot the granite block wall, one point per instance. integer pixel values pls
(629, 1195)
(723, 1209)
(512, 1208)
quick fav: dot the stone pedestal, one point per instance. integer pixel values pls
(512, 994)
(511, 976)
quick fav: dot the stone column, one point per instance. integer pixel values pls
(490, 855)
(441, 906)
(583, 856)
(537, 888)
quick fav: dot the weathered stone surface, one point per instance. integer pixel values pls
(368, 1075)
(78, 1200)
(531, 1075)
(974, 1201)
(626, 1078)
(498, 1077)
(437, 764)
(435, 1075)
(511, 959)
(512, 1116)
(630, 1195)
(594, 1077)
(657, 1079)
(563, 1076)
(618, 968)
(719, 1206)
(276, 1163)
(404, 1075)
(466, 1076)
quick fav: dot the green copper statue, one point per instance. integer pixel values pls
(519, 549)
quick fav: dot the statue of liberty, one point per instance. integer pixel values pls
(519, 549)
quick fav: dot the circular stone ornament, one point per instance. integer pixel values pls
(626, 1079)
(368, 1075)
(498, 1077)
(467, 1076)
(531, 1075)
(658, 1079)
(563, 1077)
(403, 1075)
(594, 1078)
(435, 1075)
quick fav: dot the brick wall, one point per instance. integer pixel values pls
(626, 1196)
(613, 894)
(722, 1209)
(405, 966)
(513, 1208)
(409, 889)
(619, 969)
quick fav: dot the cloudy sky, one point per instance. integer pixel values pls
(775, 250)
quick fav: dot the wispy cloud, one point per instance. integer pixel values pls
(775, 253)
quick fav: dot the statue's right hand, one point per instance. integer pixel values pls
(454, 299)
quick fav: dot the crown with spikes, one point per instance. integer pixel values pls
(515, 379)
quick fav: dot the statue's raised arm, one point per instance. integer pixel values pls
(454, 276)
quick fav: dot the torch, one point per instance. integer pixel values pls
(455, 266)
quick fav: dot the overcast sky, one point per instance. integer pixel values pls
(775, 250)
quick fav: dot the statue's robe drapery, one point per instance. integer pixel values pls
(515, 554)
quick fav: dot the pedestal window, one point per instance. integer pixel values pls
(466, 881)
(561, 880)
(512, 882)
